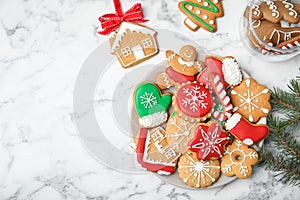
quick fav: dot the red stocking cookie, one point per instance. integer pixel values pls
(209, 141)
(245, 131)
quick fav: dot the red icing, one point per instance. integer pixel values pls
(178, 77)
(194, 100)
(246, 130)
(209, 141)
(140, 154)
(212, 65)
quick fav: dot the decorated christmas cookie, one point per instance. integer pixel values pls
(157, 149)
(198, 173)
(151, 105)
(179, 132)
(245, 131)
(219, 75)
(201, 14)
(209, 141)
(130, 42)
(154, 166)
(182, 67)
(251, 100)
(193, 101)
(238, 160)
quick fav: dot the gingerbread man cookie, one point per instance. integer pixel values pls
(198, 173)
(209, 141)
(182, 67)
(238, 160)
(201, 14)
(251, 100)
(151, 105)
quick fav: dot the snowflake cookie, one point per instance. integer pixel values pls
(179, 132)
(251, 100)
(193, 101)
(151, 105)
(209, 141)
(238, 160)
(198, 173)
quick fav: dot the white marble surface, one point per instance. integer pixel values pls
(42, 47)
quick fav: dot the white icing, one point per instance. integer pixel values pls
(205, 4)
(290, 7)
(205, 17)
(273, 8)
(190, 23)
(160, 172)
(256, 23)
(211, 22)
(256, 10)
(190, 7)
(198, 12)
(182, 62)
(166, 80)
(286, 35)
(153, 120)
(233, 121)
(231, 71)
(132, 27)
(248, 141)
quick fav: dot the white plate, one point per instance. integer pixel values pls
(103, 110)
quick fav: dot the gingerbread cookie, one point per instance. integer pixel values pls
(157, 149)
(154, 166)
(196, 173)
(279, 35)
(209, 141)
(201, 14)
(219, 75)
(289, 44)
(179, 132)
(275, 11)
(238, 160)
(245, 131)
(193, 101)
(251, 100)
(151, 105)
(133, 43)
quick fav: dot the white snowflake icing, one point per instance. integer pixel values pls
(210, 142)
(194, 98)
(148, 100)
(183, 131)
(243, 169)
(249, 101)
(200, 171)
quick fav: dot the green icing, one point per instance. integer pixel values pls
(148, 100)
(173, 114)
(212, 9)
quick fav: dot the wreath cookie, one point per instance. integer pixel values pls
(238, 160)
(198, 173)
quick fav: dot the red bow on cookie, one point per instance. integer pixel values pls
(112, 21)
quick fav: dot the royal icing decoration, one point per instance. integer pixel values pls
(198, 173)
(151, 105)
(209, 141)
(179, 132)
(140, 151)
(201, 14)
(290, 7)
(245, 131)
(273, 8)
(256, 10)
(194, 100)
(157, 150)
(251, 100)
(237, 160)
(231, 71)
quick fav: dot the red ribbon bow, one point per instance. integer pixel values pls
(112, 21)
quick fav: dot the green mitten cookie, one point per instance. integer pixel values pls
(151, 105)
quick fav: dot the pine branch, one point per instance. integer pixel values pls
(284, 140)
(283, 101)
(287, 170)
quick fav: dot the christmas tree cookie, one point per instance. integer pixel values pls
(201, 13)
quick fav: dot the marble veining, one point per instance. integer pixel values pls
(43, 45)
